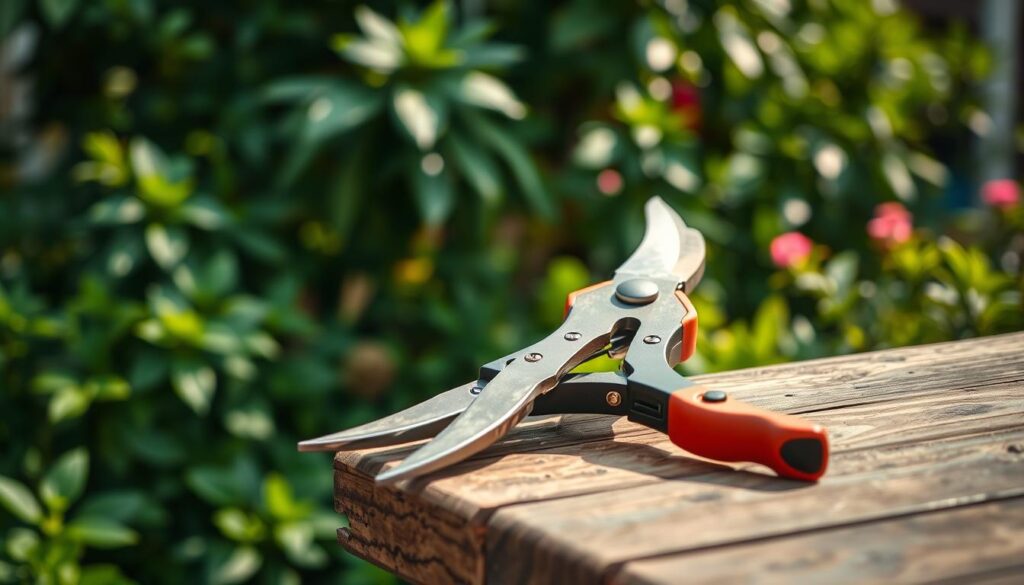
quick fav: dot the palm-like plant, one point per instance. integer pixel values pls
(434, 82)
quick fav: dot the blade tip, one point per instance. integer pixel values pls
(318, 444)
(389, 477)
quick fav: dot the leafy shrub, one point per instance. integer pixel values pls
(228, 226)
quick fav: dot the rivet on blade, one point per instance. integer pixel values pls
(637, 291)
(533, 357)
(573, 336)
(652, 339)
(613, 398)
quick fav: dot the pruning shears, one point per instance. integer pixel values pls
(643, 317)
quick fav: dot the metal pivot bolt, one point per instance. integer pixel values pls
(613, 398)
(573, 336)
(652, 339)
(715, 396)
(533, 357)
(637, 291)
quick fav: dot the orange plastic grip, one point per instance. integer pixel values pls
(689, 342)
(729, 430)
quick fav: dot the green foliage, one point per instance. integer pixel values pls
(52, 548)
(228, 226)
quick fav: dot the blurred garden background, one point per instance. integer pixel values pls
(228, 226)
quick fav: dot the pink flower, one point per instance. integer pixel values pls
(686, 102)
(1001, 193)
(609, 181)
(892, 224)
(790, 249)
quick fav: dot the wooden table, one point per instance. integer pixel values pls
(926, 483)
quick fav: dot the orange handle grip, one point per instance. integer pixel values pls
(712, 424)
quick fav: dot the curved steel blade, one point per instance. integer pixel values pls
(669, 248)
(507, 399)
(419, 421)
(483, 422)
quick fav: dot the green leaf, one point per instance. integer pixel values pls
(242, 564)
(578, 24)
(183, 325)
(68, 403)
(57, 12)
(434, 193)
(101, 533)
(51, 382)
(105, 388)
(22, 543)
(104, 147)
(379, 29)
(382, 58)
(64, 482)
(487, 91)
(120, 506)
(220, 275)
(147, 370)
(160, 449)
(239, 526)
(153, 174)
(420, 117)
(333, 109)
(167, 245)
(250, 423)
(492, 56)
(213, 485)
(224, 485)
(18, 500)
(294, 89)
(117, 211)
(338, 109)
(472, 33)
(842, 270)
(279, 500)
(744, 174)
(204, 213)
(346, 193)
(104, 575)
(519, 161)
(596, 147)
(296, 538)
(194, 382)
(424, 39)
(477, 167)
(770, 322)
(260, 245)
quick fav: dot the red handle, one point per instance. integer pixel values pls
(712, 424)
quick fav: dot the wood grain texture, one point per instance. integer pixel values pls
(921, 437)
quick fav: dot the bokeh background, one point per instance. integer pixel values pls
(228, 226)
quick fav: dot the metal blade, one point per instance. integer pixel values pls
(431, 416)
(668, 249)
(505, 402)
(509, 396)
(420, 421)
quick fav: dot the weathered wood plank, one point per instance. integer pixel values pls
(879, 407)
(969, 544)
(387, 528)
(581, 539)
